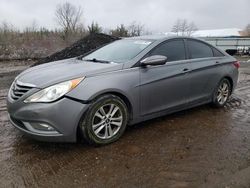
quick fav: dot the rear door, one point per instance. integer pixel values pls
(165, 86)
(205, 62)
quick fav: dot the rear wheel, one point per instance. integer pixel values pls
(105, 121)
(222, 93)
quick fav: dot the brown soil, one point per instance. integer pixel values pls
(82, 46)
(200, 147)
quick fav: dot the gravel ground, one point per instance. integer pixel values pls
(200, 147)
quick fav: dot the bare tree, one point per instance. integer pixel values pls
(6, 27)
(176, 27)
(68, 17)
(7, 32)
(183, 27)
(191, 28)
(120, 31)
(94, 28)
(247, 30)
(34, 26)
(147, 32)
(135, 29)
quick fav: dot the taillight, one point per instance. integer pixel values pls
(237, 64)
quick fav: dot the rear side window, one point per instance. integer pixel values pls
(217, 53)
(174, 50)
(199, 49)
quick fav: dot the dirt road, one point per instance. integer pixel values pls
(201, 147)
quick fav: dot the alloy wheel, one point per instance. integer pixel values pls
(107, 121)
(223, 93)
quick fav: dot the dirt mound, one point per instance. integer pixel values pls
(82, 46)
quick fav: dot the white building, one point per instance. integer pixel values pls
(231, 32)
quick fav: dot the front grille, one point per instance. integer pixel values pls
(19, 89)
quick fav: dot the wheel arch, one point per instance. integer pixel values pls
(123, 97)
(119, 94)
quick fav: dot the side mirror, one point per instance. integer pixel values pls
(154, 60)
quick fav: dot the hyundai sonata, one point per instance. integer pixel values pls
(125, 82)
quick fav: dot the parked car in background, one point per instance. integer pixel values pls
(123, 83)
(243, 50)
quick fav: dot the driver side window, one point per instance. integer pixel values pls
(174, 50)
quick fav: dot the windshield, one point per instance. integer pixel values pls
(119, 51)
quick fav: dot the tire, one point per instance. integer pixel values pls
(222, 93)
(107, 114)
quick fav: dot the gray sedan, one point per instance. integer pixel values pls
(126, 82)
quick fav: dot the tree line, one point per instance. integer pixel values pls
(69, 17)
(36, 42)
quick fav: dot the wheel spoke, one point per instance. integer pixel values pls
(219, 98)
(219, 95)
(116, 123)
(106, 132)
(114, 111)
(110, 131)
(224, 88)
(102, 111)
(116, 118)
(222, 99)
(97, 114)
(110, 109)
(100, 128)
(95, 126)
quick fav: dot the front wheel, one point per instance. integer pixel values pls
(222, 93)
(105, 121)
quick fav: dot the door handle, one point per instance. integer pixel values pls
(185, 70)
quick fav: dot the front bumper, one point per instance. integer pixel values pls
(63, 115)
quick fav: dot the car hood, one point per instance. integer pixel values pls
(51, 73)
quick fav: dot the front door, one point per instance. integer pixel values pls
(165, 86)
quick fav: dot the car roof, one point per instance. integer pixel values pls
(163, 37)
(160, 37)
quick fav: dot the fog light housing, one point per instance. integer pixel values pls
(42, 128)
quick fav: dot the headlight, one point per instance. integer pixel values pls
(54, 92)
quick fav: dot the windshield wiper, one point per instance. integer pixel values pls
(96, 60)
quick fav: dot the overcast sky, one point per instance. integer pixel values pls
(156, 15)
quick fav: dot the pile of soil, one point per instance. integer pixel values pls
(82, 46)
